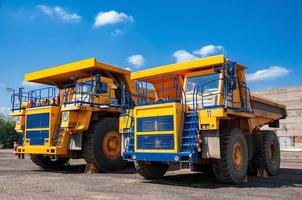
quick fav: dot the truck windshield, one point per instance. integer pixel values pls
(207, 90)
(207, 83)
(84, 87)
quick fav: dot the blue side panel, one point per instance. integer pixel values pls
(150, 124)
(159, 157)
(37, 121)
(155, 141)
(37, 137)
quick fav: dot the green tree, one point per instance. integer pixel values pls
(7, 132)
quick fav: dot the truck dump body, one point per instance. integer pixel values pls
(264, 104)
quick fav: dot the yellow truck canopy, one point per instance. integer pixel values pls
(180, 68)
(62, 74)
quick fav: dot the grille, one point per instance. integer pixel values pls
(161, 123)
(37, 137)
(40, 120)
(164, 142)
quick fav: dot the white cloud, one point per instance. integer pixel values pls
(60, 13)
(209, 50)
(183, 55)
(111, 17)
(268, 74)
(136, 60)
(46, 10)
(117, 32)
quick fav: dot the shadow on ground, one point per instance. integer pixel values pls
(80, 169)
(286, 178)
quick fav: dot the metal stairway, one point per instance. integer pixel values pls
(191, 130)
(190, 134)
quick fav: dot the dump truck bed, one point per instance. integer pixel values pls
(261, 103)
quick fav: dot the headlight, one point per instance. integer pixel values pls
(65, 116)
(18, 120)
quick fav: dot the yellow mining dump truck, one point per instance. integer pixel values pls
(203, 117)
(76, 118)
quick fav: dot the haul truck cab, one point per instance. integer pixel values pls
(76, 118)
(203, 115)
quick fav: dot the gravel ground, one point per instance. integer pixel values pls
(21, 179)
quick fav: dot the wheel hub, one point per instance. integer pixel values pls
(112, 145)
(237, 156)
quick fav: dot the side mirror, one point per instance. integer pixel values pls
(97, 78)
(233, 84)
(231, 72)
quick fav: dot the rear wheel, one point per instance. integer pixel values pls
(151, 170)
(102, 145)
(267, 152)
(46, 162)
(232, 166)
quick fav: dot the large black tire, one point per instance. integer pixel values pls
(267, 152)
(151, 170)
(46, 163)
(232, 167)
(93, 145)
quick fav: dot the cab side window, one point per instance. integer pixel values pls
(102, 88)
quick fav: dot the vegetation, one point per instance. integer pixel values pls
(7, 132)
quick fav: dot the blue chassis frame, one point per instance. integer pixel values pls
(160, 157)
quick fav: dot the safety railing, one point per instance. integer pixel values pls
(245, 98)
(34, 98)
(199, 96)
(89, 93)
(191, 98)
(147, 94)
(18, 98)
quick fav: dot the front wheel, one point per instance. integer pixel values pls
(151, 170)
(101, 145)
(232, 166)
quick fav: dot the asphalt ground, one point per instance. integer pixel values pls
(21, 179)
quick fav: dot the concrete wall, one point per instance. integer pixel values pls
(290, 131)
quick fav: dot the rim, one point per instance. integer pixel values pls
(237, 156)
(112, 145)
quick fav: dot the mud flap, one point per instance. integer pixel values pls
(210, 144)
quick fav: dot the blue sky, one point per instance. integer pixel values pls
(264, 35)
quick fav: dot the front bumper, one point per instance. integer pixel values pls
(161, 157)
(41, 150)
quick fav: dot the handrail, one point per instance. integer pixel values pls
(76, 95)
(34, 98)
